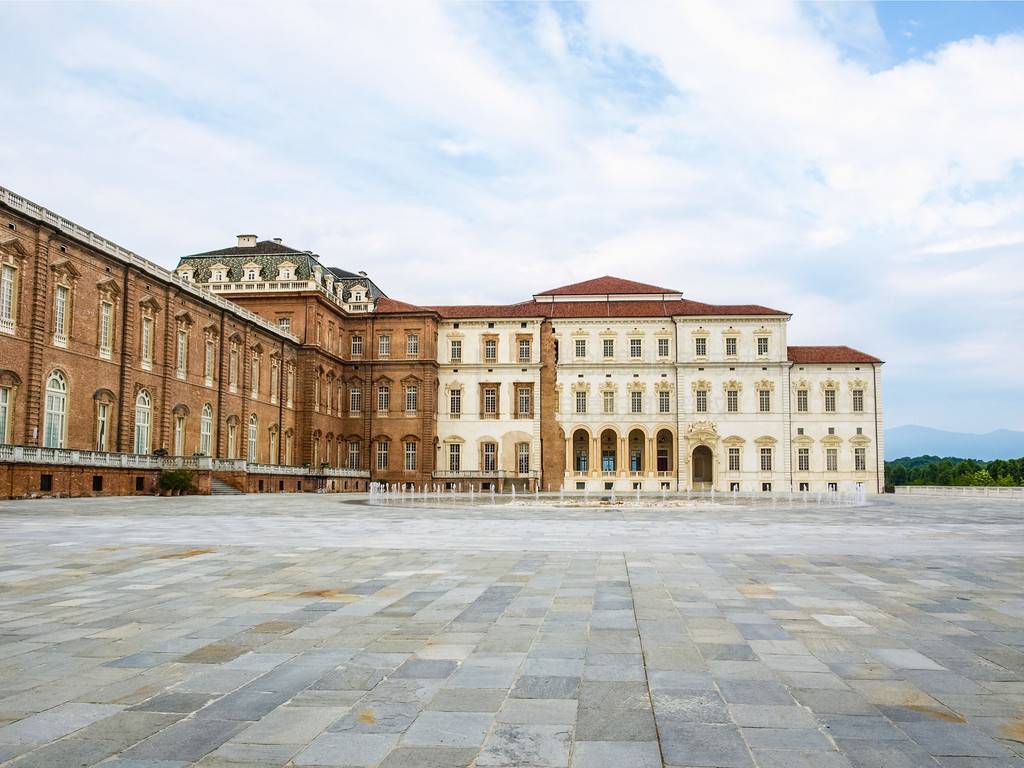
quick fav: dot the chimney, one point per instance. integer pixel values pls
(362, 273)
(277, 240)
(247, 241)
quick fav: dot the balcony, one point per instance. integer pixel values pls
(6, 325)
(67, 457)
(468, 474)
(60, 340)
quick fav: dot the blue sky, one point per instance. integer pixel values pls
(857, 165)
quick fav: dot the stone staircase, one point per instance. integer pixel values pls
(220, 488)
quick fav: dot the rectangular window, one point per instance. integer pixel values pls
(662, 347)
(700, 347)
(730, 346)
(524, 402)
(636, 348)
(701, 401)
(353, 455)
(410, 457)
(384, 346)
(664, 402)
(766, 459)
(832, 459)
(355, 400)
(208, 362)
(357, 346)
(102, 423)
(608, 347)
(60, 317)
(7, 275)
(525, 352)
(490, 401)
(636, 402)
(860, 459)
(5, 411)
(490, 349)
(456, 350)
(147, 342)
(522, 458)
(490, 457)
(233, 370)
(762, 345)
(608, 401)
(382, 455)
(734, 459)
(412, 345)
(456, 402)
(764, 400)
(801, 401)
(581, 347)
(383, 398)
(106, 313)
(411, 399)
(581, 402)
(830, 401)
(455, 457)
(858, 401)
(284, 323)
(181, 362)
(803, 459)
(732, 400)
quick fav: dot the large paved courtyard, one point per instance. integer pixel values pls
(304, 630)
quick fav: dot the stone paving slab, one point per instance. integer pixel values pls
(321, 631)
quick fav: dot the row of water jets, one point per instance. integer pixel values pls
(396, 493)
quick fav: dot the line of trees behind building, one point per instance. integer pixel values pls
(933, 470)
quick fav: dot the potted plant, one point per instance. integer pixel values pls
(176, 482)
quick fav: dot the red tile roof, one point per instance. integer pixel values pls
(525, 309)
(829, 355)
(605, 285)
(385, 304)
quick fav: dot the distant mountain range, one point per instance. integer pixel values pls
(923, 441)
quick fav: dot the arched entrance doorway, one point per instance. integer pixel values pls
(703, 469)
(637, 452)
(580, 452)
(663, 445)
(609, 452)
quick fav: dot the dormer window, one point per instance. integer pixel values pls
(286, 271)
(251, 271)
(185, 274)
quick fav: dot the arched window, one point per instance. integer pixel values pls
(205, 430)
(55, 418)
(251, 455)
(143, 409)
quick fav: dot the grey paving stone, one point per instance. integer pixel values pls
(527, 745)
(425, 668)
(187, 740)
(382, 717)
(548, 687)
(448, 729)
(347, 749)
(615, 724)
(953, 739)
(468, 699)
(613, 754)
(785, 758)
(700, 744)
(786, 738)
(688, 706)
(57, 722)
(289, 725)
(67, 752)
(430, 757)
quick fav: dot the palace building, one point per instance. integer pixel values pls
(260, 366)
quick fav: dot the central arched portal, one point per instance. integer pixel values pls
(701, 462)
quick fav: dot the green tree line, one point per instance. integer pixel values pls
(932, 470)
